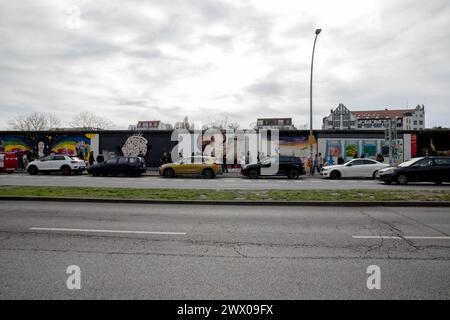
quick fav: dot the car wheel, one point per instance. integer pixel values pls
(293, 174)
(335, 174)
(33, 170)
(402, 179)
(208, 174)
(253, 174)
(374, 175)
(169, 173)
(65, 170)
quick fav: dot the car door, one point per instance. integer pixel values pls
(58, 162)
(369, 167)
(441, 169)
(121, 165)
(422, 170)
(108, 166)
(45, 163)
(350, 170)
(266, 164)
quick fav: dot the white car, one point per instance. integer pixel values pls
(57, 163)
(356, 168)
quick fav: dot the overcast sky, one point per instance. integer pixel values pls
(162, 60)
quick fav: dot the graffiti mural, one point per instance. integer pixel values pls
(39, 145)
(135, 146)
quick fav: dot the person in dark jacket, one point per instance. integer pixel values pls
(380, 158)
(91, 158)
(224, 164)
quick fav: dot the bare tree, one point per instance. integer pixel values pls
(185, 124)
(233, 125)
(218, 121)
(35, 122)
(89, 121)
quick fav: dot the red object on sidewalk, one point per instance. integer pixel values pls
(8, 162)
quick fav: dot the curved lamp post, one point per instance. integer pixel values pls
(311, 137)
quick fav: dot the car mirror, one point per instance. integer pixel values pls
(349, 165)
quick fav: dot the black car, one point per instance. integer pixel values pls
(427, 169)
(292, 167)
(130, 166)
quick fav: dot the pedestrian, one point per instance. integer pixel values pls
(380, 158)
(362, 156)
(321, 162)
(315, 165)
(20, 161)
(164, 158)
(91, 158)
(224, 163)
(340, 160)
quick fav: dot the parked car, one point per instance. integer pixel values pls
(8, 162)
(424, 169)
(355, 168)
(130, 166)
(292, 167)
(208, 167)
(57, 163)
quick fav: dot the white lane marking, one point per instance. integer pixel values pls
(108, 231)
(405, 237)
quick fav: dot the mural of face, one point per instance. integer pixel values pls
(134, 146)
(41, 147)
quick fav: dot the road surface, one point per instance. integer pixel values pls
(235, 182)
(221, 252)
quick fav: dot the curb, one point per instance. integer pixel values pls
(241, 203)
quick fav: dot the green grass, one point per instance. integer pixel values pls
(229, 195)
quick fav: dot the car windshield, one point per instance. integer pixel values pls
(409, 162)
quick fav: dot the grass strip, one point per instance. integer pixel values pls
(229, 195)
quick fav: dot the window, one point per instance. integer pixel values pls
(415, 122)
(357, 162)
(59, 158)
(421, 122)
(132, 160)
(442, 162)
(424, 163)
(47, 158)
(122, 160)
(111, 161)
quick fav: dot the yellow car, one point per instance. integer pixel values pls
(208, 167)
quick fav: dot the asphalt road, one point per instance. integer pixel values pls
(222, 252)
(234, 182)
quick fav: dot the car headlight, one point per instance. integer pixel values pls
(388, 171)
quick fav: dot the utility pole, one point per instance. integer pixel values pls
(311, 138)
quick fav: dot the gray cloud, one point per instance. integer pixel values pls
(158, 59)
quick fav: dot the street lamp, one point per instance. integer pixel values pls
(311, 137)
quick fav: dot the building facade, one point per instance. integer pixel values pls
(150, 125)
(275, 123)
(342, 118)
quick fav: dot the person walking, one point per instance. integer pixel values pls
(315, 165)
(91, 158)
(224, 163)
(380, 158)
(321, 162)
